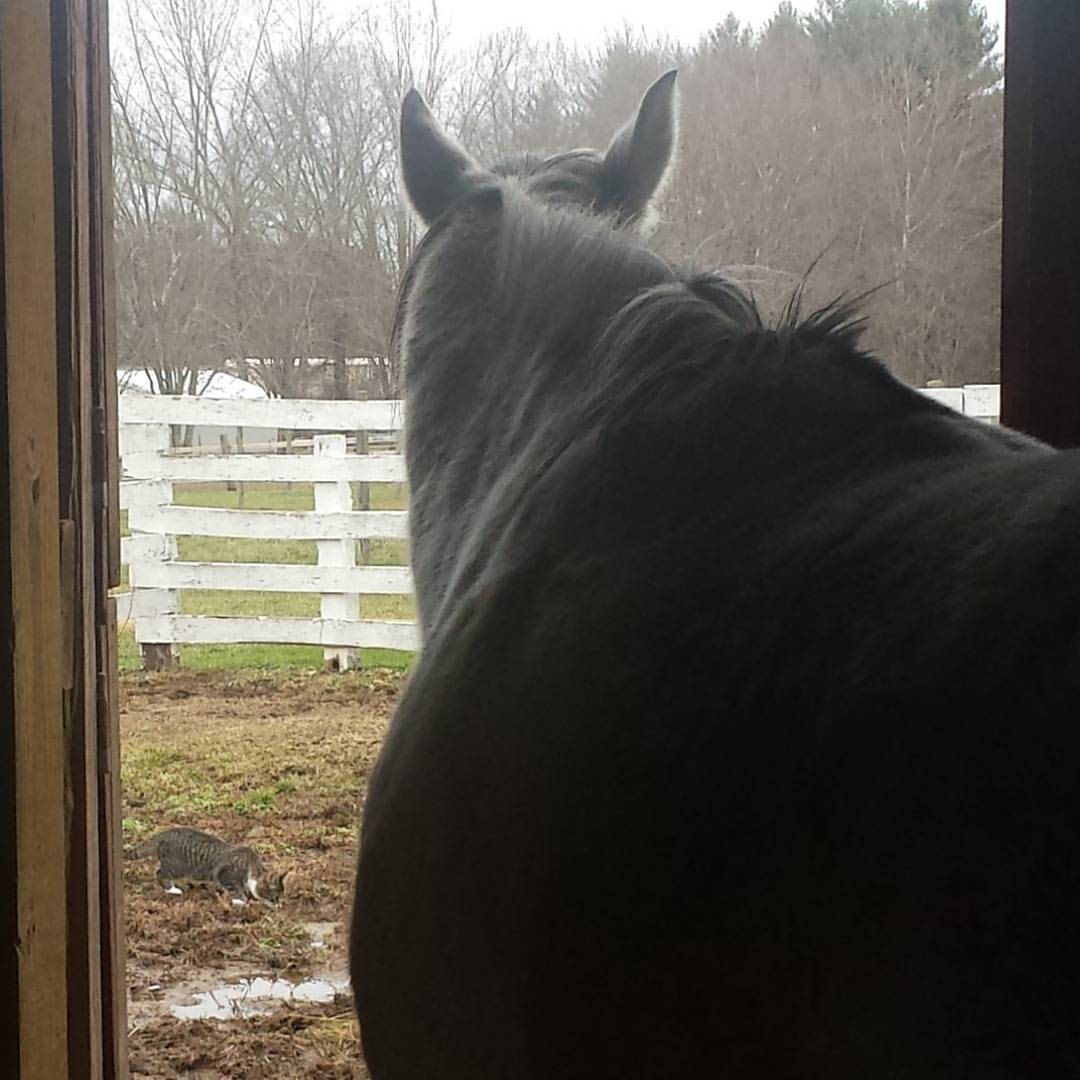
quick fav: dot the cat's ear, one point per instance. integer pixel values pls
(639, 156)
(436, 171)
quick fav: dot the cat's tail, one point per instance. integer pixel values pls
(143, 850)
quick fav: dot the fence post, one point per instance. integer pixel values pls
(240, 450)
(148, 603)
(983, 401)
(363, 489)
(226, 449)
(335, 496)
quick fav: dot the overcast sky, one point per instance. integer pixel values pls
(586, 21)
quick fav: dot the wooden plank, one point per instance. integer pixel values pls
(145, 493)
(385, 442)
(79, 575)
(102, 283)
(276, 412)
(156, 655)
(151, 441)
(266, 468)
(9, 825)
(982, 401)
(36, 796)
(107, 540)
(144, 603)
(124, 600)
(207, 629)
(105, 473)
(270, 524)
(336, 496)
(114, 941)
(951, 396)
(144, 439)
(271, 577)
(144, 547)
(1040, 326)
(362, 491)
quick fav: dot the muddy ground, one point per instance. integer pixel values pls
(277, 762)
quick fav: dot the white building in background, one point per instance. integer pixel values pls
(216, 384)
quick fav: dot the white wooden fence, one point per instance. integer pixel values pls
(980, 400)
(157, 576)
(150, 468)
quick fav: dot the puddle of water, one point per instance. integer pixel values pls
(252, 996)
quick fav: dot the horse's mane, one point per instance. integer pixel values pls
(683, 345)
(702, 309)
(636, 321)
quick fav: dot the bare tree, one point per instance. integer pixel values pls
(184, 199)
(868, 150)
(260, 225)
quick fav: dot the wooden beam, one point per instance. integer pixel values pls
(1040, 335)
(110, 808)
(105, 508)
(89, 489)
(34, 797)
(9, 840)
(78, 565)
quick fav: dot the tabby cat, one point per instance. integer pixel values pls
(190, 855)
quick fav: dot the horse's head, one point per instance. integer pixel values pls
(619, 182)
(521, 268)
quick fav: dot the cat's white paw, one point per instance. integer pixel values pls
(172, 890)
(239, 903)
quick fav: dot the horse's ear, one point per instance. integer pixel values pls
(436, 170)
(638, 158)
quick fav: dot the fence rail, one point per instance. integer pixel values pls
(157, 577)
(982, 401)
(297, 415)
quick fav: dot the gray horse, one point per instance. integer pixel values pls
(745, 738)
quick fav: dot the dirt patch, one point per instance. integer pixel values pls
(279, 763)
(313, 1041)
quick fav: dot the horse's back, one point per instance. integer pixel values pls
(723, 795)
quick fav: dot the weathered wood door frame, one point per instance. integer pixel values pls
(1040, 302)
(33, 799)
(59, 811)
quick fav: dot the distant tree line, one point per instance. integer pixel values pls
(260, 226)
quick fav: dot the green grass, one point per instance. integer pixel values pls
(172, 780)
(227, 750)
(247, 496)
(278, 496)
(274, 604)
(198, 778)
(257, 657)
